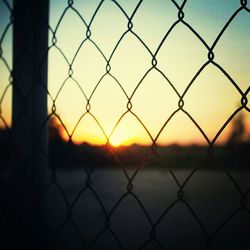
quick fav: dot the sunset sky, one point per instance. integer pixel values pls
(210, 101)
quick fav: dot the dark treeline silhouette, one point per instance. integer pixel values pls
(238, 133)
(237, 146)
(234, 153)
(67, 155)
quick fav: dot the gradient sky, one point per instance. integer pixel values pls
(210, 100)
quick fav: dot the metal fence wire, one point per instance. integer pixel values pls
(88, 207)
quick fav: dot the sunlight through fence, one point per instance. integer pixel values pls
(146, 139)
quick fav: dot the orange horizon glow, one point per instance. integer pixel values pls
(118, 139)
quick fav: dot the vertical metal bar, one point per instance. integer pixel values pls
(30, 162)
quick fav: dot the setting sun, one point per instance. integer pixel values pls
(116, 142)
(119, 139)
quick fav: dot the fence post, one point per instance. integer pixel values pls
(29, 113)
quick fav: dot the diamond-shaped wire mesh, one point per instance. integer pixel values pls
(137, 197)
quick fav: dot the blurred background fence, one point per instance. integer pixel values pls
(89, 156)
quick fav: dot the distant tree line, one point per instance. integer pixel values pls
(66, 154)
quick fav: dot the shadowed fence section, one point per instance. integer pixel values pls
(57, 194)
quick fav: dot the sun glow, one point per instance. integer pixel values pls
(117, 140)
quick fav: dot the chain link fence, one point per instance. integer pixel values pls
(63, 194)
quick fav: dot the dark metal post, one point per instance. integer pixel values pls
(29, 130)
